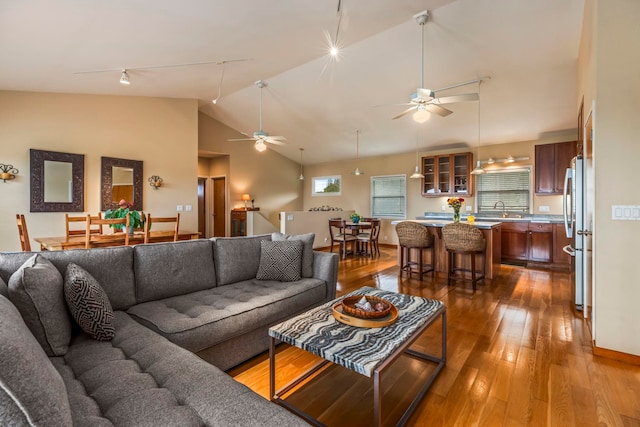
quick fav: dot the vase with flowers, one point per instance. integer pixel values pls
(456, 203)
(136, 220)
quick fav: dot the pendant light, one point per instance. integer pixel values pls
(478, 170)
(416, 174)
(301, 177)
(357, 171)
(124, 78)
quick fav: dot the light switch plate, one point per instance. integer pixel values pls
(188, 208)
(179, 208)
(289, 217)
(625, 213)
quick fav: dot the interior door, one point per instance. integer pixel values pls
(589, 206)
(219, 207)
(202, 207)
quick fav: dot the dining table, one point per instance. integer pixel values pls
(356, 228)
(78, 242)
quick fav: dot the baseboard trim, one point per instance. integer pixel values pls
(616, 355)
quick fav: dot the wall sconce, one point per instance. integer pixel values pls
(8, 172)
(155, 182)
(245, 199)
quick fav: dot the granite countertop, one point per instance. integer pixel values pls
(442, 222)
(536, 218)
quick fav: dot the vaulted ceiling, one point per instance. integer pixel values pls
(528, 48)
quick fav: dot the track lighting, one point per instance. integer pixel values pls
(124, 78)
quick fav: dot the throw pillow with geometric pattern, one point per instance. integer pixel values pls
(88, 303)
(280, 261)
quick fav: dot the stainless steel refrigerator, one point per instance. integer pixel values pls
(573, 209)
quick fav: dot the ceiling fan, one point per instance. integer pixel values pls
(261, 137)
(424, 101)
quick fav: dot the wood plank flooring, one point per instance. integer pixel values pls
(517, 355)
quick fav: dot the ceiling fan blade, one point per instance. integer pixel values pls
(436, 109)
(456, 98)
(277, 138)
(405, 112)
(271, 140)
(242, 139)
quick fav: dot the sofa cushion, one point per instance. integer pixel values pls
(202, 319)
(237, 258)
(36, 290)
(281, 261)
(168, 269)
(112, 268)
(31, 391)
(307, 251)
(88, 303)
(140, 378)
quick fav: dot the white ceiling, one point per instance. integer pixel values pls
(528, 48)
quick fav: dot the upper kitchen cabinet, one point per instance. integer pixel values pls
(552, 160)
(447, 175)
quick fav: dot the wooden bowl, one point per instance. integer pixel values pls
(349, 307)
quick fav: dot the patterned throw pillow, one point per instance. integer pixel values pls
(307, 249)
(280, 261)
(88, 303)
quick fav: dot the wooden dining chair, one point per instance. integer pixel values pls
(71, 231)
(120, 238)
(23, 233)
(164, 235)
(369, 238)
(339, 233)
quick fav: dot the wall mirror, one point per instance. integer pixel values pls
(121, 179)
(57, 181)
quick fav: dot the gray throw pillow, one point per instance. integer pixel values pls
(307, 250)
(36, 290)
(280, 261)
(88, 303)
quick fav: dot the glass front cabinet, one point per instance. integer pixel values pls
(447, 175)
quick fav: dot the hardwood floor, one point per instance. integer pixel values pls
(517, 354)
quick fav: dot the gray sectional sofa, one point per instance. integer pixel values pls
(183, 313)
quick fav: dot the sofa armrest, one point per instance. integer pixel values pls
(325, 267)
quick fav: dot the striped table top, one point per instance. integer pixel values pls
(358, 349)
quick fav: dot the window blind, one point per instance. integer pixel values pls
(512, 187)
(388, 196)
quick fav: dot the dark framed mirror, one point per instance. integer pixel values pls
(121, 179)
(57, 181)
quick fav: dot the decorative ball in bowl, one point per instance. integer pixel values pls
(366, 307)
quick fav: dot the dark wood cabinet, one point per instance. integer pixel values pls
(239, 221)
(540, 242)
(560, 240)
(552, 160)
(447, 175)
(514, 245)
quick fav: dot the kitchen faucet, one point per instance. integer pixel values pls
(504, 214)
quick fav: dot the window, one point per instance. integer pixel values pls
(510, 186)
(388, 196)
(326, 186)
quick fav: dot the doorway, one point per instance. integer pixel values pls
(219, 206)
(212, 206)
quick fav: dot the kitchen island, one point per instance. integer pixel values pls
(492, 233)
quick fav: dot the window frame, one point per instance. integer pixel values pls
(338, 178)
(403, 178)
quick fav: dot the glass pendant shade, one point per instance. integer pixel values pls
(421, 115)
(260, 146)
(478, 170)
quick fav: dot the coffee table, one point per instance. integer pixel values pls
(367, 351)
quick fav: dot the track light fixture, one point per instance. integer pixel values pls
(124, 78)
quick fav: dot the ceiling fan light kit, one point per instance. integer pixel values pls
(124, 78)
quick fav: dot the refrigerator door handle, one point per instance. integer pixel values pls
(569, 250)
(566, 210)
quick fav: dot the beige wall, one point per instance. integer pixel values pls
(135, 128)
(271, 179)
(616, 153)
(356, 189)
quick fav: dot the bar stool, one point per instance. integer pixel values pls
(412, 235)
(464, 239)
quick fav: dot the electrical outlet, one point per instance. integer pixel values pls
(326, 239)
(543, 208)
(469, 208)
(385, 237)
(179, 208)
(443, 207)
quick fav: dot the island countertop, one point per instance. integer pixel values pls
(483, 225)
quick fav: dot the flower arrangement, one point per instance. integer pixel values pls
(456, 203)
(355, 217)
(135, 219)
